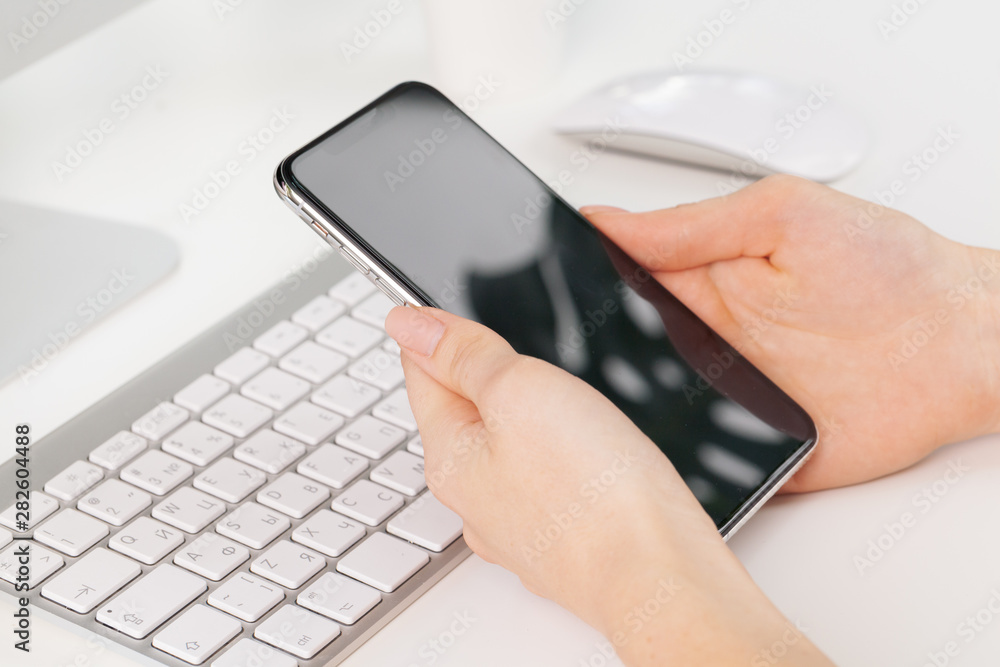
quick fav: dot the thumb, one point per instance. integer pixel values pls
(462, 355)
(748, 223)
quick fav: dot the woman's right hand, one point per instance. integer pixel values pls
(887, 333)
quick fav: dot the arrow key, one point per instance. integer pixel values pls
(197, 633)
(91, 580)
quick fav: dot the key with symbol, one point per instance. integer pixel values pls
(43, 562)
(91, 580)
(115, 501)
(368, 502)
(288, 564)
(146, 604)
(40, 506)
(298, 631)
(71, 532)
(197, 633)
(146, 540)
(212, 556)
(246, 597)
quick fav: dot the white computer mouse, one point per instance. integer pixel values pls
(737, 122)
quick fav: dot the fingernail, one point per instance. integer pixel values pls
(590, 210)
(414, 330)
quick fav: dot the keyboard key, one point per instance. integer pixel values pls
(280, 338)
(309, 423)
(91, 580)
(395, 409)
(157, 472)
(246, 597)
(350, 337)
(201, 393)
(346, 395)
(428, 523)
(416, 446)
(371, 437)
(115, 501)
(270, 451)
(147, 603)
(298, 631)
(42, 562)
(242, 365)
(212, 556)
(403, 472)
(293, 494)
(368, 502)
(118, 450)
(230, 480)
(338, 597)
(288, 564)
(146, 540)
(237, 415)
(253, 525)
(333, 466)
(248, 653)
(275, 388)
(197, 443)
(378, 367)
(6, 537)
(313, 362)
(329, 533)
(318, 313)
(74, 480)
(373, 310)
(197, 633)
(71, 532)
(40, 507)
(352, 289)
(189, 509)
(383, 561)
(161, 420)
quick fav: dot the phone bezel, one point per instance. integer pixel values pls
(401, 290)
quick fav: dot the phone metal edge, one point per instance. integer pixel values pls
(330, 232)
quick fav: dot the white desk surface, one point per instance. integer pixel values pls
(940, 69)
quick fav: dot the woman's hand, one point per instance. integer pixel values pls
(885, 332)
(555, 484)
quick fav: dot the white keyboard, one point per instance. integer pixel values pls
(259, 514)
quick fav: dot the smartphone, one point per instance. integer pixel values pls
(435, 212)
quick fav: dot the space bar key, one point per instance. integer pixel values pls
(149, 602)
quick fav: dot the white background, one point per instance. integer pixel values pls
(226, 75)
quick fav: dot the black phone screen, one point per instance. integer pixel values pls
(471, 230)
